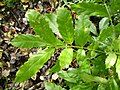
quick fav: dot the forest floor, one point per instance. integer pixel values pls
(12, 23)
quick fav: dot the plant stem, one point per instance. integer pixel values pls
(109, 15)
(78, 47)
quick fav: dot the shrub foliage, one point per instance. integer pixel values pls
(96, 53)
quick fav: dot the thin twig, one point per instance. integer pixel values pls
(16, 18)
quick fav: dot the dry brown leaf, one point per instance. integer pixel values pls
(24, 1)
(5, 73)
(1, 53)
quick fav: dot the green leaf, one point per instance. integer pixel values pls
(33, 65)
(81, 37)
(82, 30)
(52, 18)
(110, 31)
(113, 84)
(118, 67)
(70, 75)
(56, 67)
(65, 26)
(52, 86)
(92, 47)
(82, 86)
(65, 57)
(117, 30)
(75, 75)
(98, 1)
(93, 29)
(80, 54)
(100, 80)
(90, 9)
(84, 66)
(41, 27)
(33, 16)
(101, 87)
(103, 24)
(28, 41)
(86, 77)
(115, 6)
(99, 67)
(110, 60)
(116, 44)
(89, 78)
(106, 33)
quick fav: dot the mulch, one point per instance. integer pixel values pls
(12, 23)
